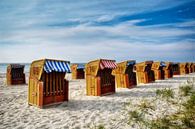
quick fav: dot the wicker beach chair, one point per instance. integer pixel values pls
(99, 79)
(144, 74)
(125, 77)
(47, 83)
(15, 74)
(78, 71)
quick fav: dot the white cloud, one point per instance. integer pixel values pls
(87, 34)
(112, 49)
(25, 36)
(186, 24)
(105, 18)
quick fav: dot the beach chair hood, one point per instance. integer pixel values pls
(140, 67)
(122, 66)
(157, 65)
(15, 66)
(168, 65)
(56, 66)
(48, 65)
(110, 64)
(93, 66)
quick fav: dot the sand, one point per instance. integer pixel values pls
(82, 111)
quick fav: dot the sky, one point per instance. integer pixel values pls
(84, 30)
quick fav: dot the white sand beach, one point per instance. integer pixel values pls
(84, 111)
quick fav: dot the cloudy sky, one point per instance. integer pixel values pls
(83, 30)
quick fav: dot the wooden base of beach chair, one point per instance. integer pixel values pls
(159, 74)
(145, 77)
(168, 74)
(125, 81)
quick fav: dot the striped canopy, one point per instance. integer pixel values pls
(107, 64)
(57, 66)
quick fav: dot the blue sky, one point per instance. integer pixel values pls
(83, 30)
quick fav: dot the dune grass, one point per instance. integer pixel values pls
(185, 90)
(184, 118)
(165, 93)
(145, 105)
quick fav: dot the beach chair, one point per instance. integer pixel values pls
(168, 70)
(15, 74)
(175, 69)
(99, 80)
(125, 77)
(183, 68)
(144, 74)
(157, 67)
(78, 71)
(47, 83)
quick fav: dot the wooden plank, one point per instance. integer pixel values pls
(129, 81)
(120, 81)
(140, 76)
(60, 83)
(87, 85)
(62, 80)
(145, 77)
(35, 92)
(54, 84)
(66, 90)
(50, 83)
(29, 91)
(57, 84)
(32, 86)
(116, 80)
(47, 84)
(75, 74)
(98, 85)
(32, 91)
(92, 86)
(123, 80)
(40, 94)
(43, 79)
